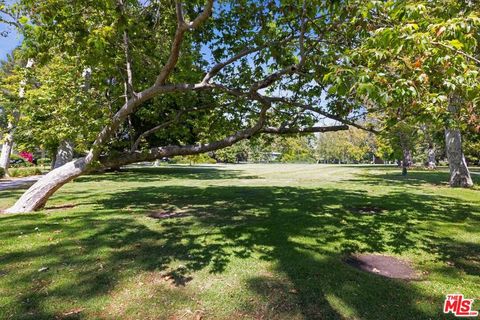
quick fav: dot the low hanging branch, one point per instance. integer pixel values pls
(303, 130)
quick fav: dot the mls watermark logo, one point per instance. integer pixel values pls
(459, 306)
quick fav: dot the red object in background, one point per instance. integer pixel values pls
(27, 156)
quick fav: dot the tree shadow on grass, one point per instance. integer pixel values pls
(413, 178)
(304, 233)
(167, 173)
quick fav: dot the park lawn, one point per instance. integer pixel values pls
(244, 242)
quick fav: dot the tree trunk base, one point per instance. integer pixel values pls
(459, 173)
(38, 194)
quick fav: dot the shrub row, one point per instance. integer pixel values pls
(18, 162)
(194, 159)
(23, 172)
(44, 162)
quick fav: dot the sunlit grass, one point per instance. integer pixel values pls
(249, 242)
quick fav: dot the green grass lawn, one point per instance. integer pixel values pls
(248, 242)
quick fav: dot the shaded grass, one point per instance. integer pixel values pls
(263, 241)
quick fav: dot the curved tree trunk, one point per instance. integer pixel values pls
(37, 195)
(459, 173)
(64, 154)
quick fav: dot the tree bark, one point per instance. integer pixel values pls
(6, 152)
(406, 153)
(64, 154)
(459, 173)
(431, 161)
(407, 160)
(37, 195)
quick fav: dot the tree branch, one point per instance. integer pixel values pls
(302, 33)
(170, 151)
(182, 27)
(126, 48)
(207, 11)
(219, 66)
(155, 129)
(456, 51)
(280, 130)
(321, 112)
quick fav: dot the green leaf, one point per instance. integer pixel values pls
(456, 44)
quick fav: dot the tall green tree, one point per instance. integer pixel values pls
(420, 57)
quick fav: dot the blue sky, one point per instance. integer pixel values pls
(7, 44)
(12, 40)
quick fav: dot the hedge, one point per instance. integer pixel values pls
(24, 172)
(44, 162)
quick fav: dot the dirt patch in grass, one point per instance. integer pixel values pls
(386, 266)
(166, 215)
(366, 210)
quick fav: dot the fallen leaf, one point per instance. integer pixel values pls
(73, 311)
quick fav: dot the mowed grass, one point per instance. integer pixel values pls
(244, 242)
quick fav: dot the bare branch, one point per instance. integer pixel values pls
(468, 56)
(270, 79)
(280, 130)
(207, 11)
(321, 112)
(14, 22)
(182, 27)
(302, 33)
(130, 106)
(179, 12)
(155, 129)
(169, 151)
(219, 66)
(128, 63)
(126, 49)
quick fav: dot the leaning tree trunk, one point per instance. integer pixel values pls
(37, 195)
(64, 154)
(459, 173)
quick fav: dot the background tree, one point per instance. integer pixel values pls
(421, 57)
(354, 145)
(13, 82)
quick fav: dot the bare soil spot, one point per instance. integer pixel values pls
(167, 214)
(367, 210)
(383, 265)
